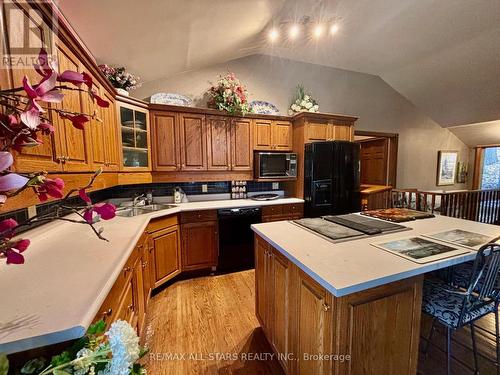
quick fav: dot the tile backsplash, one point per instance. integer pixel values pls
(158, 189)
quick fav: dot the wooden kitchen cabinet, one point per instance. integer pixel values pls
(277, 212)
(165, 141)
(133, 120)
(272, 283)
(74, 144)
(302, 318)
(272, 135)
(313, 319)
(164, 254)
(241, 145)
(200, 240)
(218, 143)
(193, 142)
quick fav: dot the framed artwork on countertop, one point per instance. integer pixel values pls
(447, 167)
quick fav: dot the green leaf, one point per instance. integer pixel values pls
(61, 372)
(4, 364)
(61, 359)
(97, 328)
(34, 366)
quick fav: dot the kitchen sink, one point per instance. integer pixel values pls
(132, 211)
(142, 210)
(157, 207)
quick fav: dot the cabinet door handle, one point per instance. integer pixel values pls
(131, 307)
(145, 264)
(107, 313)
(126, 269)
(326, 307)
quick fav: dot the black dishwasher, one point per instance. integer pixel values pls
(236, 252)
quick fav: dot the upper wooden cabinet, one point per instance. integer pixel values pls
(272, 135)
(218, 143)
(165, 141)
(328, 130)
(193, 142)
(134, 125)
(241, 145)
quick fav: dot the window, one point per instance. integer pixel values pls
(490, 169)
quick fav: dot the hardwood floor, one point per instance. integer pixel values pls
(207, 326)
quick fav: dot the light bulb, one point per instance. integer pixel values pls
(318, 30)
(334, 28)
(273, 35)
(294, 31)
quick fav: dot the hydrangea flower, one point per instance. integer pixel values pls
(124, 344)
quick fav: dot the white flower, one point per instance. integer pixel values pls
(308, 105)
(297, 102)
(303, 103)
(312, 110)
(83, 361)
(315, 107)
(306, 97)
(124, 345)
(291, 112)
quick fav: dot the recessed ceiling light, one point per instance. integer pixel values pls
(334, 28)
(318, 30)
(274, 34)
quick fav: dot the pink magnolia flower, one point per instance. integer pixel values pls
(13, 254)
(50, 187)
(78, 121)
(44, 91)
(9, 181)
(6, 228)
(106, 211)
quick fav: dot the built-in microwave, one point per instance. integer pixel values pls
(275, 165)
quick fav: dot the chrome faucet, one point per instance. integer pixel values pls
(139, 199)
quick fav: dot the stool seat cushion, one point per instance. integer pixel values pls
(441, 301)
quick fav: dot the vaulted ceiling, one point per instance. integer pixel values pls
(443, 55)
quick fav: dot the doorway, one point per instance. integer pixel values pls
(378, 157)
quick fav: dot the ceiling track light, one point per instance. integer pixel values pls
(315, 28)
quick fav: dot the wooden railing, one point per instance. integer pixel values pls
(375, 196)
(476, 205)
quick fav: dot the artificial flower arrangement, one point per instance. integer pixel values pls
(23, 119)
(229, 95)
(120, 78)
(303, 102)
(114, 352)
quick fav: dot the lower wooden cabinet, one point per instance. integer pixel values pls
(279, 212)
(200, 245)
(376, 331)
(272, 278)
(164, 251)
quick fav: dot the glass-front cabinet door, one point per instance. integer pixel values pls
(134, 131)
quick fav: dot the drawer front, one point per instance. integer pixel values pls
(293, 209)
(197, 216)
(162, 223)
(272, 210)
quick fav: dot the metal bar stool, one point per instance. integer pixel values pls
(455, 306)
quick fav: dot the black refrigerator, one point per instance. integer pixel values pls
(331, 178)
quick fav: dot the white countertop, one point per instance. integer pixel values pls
(352, 266)
(68, 273)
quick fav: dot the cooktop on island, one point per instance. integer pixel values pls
(343, 227)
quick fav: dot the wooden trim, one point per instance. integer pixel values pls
(369, 133)
(478, 162)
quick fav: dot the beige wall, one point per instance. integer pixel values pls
(379, 107)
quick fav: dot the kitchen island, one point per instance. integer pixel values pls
(344, 308)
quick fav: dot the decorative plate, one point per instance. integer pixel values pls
(171, 99)
(264, 108)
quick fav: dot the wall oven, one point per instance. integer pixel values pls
(275, 165)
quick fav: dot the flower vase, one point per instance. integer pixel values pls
(122, 91)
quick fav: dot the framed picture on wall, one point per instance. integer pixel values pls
(447, 167)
